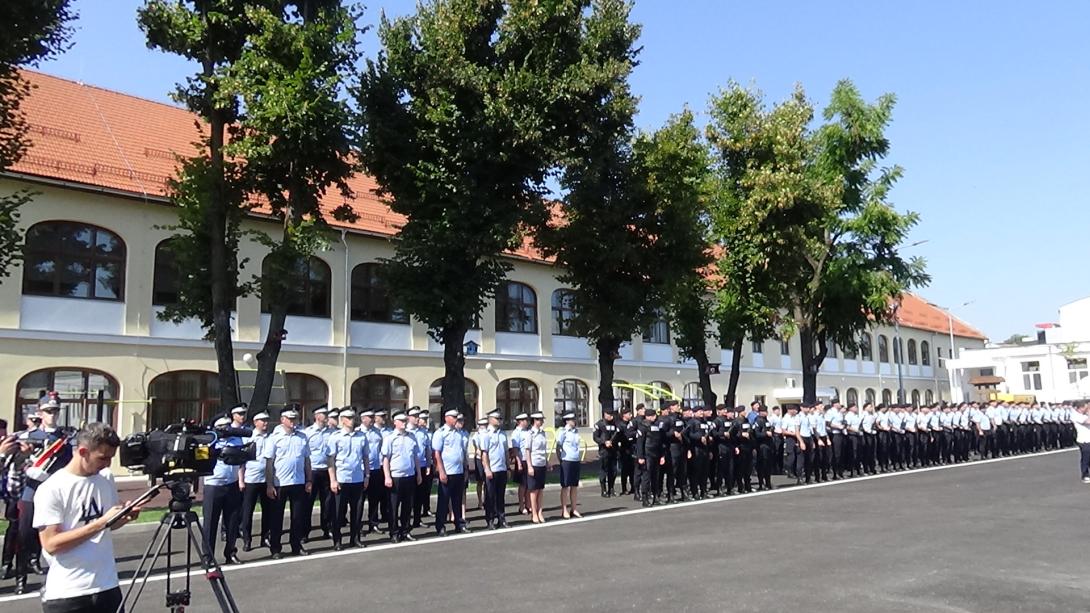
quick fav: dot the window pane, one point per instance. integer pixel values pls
(38, 274)
(107, 243)
(75, 280)
(108, 281)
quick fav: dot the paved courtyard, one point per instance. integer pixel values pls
(1008, 535)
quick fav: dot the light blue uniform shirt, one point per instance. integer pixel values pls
(837, 421)
(516, 439)
(817, 422)
(223, 474)
(536, 451)
(947, 421)
(423, 446)
(374, 448)
(401, 450)
(452, 446)
(494, 443)
(804, 426)
(935, 423)
(316, 439)
(866, 422)
(852, 423)
(569, 442)
(289, 453)
(981, 419)
(790, 424)
(883, 420)
(255, 469)
(349, 451)
(897, 423)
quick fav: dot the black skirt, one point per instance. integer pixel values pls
(536, 481)
(569, 473)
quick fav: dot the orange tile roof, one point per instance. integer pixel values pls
(105, 139)
(915, 312)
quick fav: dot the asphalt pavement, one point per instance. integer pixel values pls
(993, 536)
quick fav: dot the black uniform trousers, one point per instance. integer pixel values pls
(28, 546)
(348, 504)
(840, 459)
(296, 496)
(675, 482)
(793, 457)
(764, 464)
(221, 501)
(377, 499)
(743, 468)
(607, 470)
(638, 478)
(451, 495)
(698, 472)
(651, 483)
(252, 496)
(401, 505)
(725, 474)
(494, 508)
(11, 533)
(805, 467)
(422, 496)
(855, 446)
(319, 491)
(777, 453)
(628, 470)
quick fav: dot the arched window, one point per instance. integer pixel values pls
(869, 395)
(165, 280)
(691, 396)
(852, 396)
(883, 349)
(623, 397)
(655, 397)
(850, 352)
(308, 288)
(472, 398)
(563, 312)
(572, 396)
(516, 308)
(380, 392)
(866, 348)
(514, 396)
(916, 398)
(77, 391)
(912, 359)
(929, 397)
(925, 353)
(308, 391)
(73, 260)
(183, 395)
(887, 397)
(659, 330)
(371, 299)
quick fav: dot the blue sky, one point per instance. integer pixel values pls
(992, 123)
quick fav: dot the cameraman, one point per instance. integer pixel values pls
(71, 511)
(223, 496)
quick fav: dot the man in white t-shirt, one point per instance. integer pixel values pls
(1080, 418)
(71, 511)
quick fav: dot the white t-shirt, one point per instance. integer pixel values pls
(1082, 427)
(72, 501)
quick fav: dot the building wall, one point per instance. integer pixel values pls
(126, 340)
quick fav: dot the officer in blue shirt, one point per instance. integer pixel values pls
(401, 471)
(569, 449)
(376, 482)
(449, 448)
(317, 433)
(807, 445)
(346, 453)
(494, 446)
(253, 478)
(223, 498)
(418, 427)
(287, 481)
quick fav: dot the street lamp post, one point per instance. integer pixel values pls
(897, 352)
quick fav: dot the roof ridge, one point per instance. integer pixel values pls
(115, 92)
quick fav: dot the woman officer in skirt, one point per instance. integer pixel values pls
(569, 450)
(535, 455)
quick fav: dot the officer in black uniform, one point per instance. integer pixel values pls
(679, 452)
(607, 435)
(651, 456)
(625, 452)
(742, 434)
(762, 441)
(698, 439)
(724, 445)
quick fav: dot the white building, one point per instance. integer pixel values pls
(1053, 369)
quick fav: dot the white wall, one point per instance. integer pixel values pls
(71, 315)
(378, 335)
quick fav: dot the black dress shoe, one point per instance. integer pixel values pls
(463, 530)
(441, 532)
(301, 552)
(36, 567)
(395, 539)
(338, 547)
(503, 524)
(490, 525)
(265, 543)
(247, 547)
(279, 555)
(9, 572)
(356, 543)
(408, 537)
(233, 559)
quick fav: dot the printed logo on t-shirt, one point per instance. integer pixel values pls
(91, 511)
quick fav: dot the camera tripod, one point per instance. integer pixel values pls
(180, 517)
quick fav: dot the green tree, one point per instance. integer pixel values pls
(208, 189)
(295, 143)
(850, 275)
(763, 171)
(465, 111)
(30, 31)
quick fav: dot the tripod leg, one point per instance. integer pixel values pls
(158, 541)
(212, 570)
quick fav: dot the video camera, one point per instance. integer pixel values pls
(184, 449)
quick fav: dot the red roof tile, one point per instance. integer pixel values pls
(915, 312)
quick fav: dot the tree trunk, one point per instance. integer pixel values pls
(607, 349)
(730, 399)
(706, 391)
(268, 356)
(454, 375)
(222, 282)
(813, 354)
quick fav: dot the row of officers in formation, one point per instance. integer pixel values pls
(368, 471)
